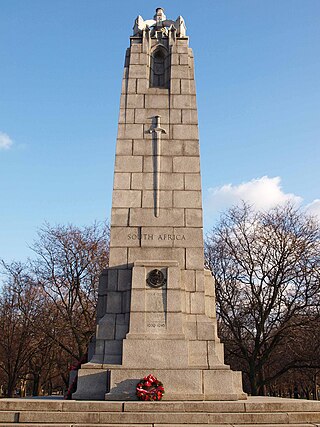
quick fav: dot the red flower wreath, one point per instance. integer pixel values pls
(149, 388)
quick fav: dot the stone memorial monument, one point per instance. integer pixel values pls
(156, 306)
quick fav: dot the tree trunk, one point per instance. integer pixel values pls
(11, 387)
(261, 385)
(36, 383)
(315, 387)
(253, 379)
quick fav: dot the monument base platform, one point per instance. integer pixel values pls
(180, 384)
(255, 411)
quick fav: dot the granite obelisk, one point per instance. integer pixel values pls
(156, 307)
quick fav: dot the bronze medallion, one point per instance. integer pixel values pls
(156, 279)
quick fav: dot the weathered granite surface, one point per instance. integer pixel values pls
(255, 411)
(156, 225)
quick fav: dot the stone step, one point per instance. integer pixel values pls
(252, 412)
(98, 418)
(153, 425)
(60, 405)
(100, 425)
(252, 404)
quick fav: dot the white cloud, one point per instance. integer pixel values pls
(314, 208)
(5, 141)
(262, 193)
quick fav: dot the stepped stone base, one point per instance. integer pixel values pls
(255, 411)
(180, 384)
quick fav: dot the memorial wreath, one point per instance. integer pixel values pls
(149, 388)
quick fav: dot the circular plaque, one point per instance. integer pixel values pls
(156, 279)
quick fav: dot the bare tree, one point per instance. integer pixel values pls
(47, 306)
(295, 364)
(67, 268)
(266, 267)
(19, 303)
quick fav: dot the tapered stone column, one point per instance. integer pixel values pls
(156, 307)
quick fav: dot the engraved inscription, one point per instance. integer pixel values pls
(145, 236)
(156, 310)
(155, 322)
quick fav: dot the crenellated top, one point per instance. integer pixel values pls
(159, 23)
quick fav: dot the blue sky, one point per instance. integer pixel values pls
(257, 76)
